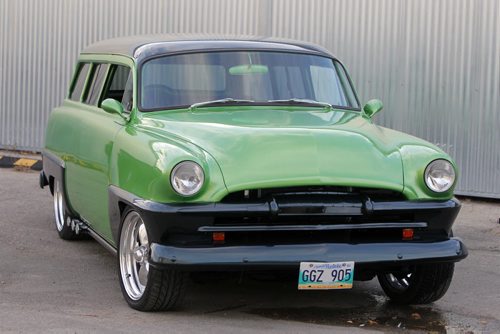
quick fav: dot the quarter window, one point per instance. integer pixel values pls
(97, 82)
(79, 84)
(119, 86)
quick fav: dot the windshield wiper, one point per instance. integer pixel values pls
(293, 101)
(227, 100)
(305, 102)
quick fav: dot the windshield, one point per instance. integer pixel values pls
(257, 77)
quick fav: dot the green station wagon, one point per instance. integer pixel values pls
(187, 153)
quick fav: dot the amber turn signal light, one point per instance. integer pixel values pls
(219, 237)
(407, 234)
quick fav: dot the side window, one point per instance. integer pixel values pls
(97, 82)
(119, 86)
(79, 84)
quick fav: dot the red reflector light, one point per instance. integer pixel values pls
(407, 234)
(218, 237)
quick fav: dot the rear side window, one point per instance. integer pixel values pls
(97, 82)
(79, 83)
(119, 86)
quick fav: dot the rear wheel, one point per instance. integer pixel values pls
(144, 287)
(422, 284)
(62, 219)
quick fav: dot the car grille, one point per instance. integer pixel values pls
(316, 205)
(313, 215)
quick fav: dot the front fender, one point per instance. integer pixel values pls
(415, 160)
(142, 160)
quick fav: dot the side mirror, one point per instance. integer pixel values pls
(112, 106)
(372, 107)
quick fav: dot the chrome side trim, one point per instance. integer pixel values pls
(102, 241)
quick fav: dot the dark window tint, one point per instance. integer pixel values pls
(119, 86)
(79, 84)
(97, 81)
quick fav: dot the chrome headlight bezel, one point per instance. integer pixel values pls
(190, 169)
(445, 170)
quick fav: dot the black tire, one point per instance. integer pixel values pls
(161, 289)
(62, 218)
(424, 283)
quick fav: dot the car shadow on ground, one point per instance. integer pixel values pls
(275, 296)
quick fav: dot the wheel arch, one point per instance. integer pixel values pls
(55, 168)
(119, 200)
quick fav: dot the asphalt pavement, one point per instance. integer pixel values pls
(51, 285)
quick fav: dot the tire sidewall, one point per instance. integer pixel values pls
(399, 295)
(140, 303)
(66, 232)
(429, 283)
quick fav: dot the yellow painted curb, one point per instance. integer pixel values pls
(25, 162)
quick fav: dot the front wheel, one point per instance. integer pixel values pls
(144, 287)
(422, 284)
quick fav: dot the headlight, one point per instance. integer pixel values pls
(439, 175)
(187, 178)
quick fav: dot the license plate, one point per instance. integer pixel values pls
(326, 275)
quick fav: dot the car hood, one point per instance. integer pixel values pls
(261, 147)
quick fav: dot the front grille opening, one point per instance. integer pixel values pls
(313, 191)
(313, 205)
(324, 205)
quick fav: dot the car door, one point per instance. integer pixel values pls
(87, 173)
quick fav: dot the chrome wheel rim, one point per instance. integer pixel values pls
(399, 282)
(134, 255)
(58, 206)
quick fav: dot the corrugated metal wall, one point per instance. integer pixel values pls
(434, 64)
